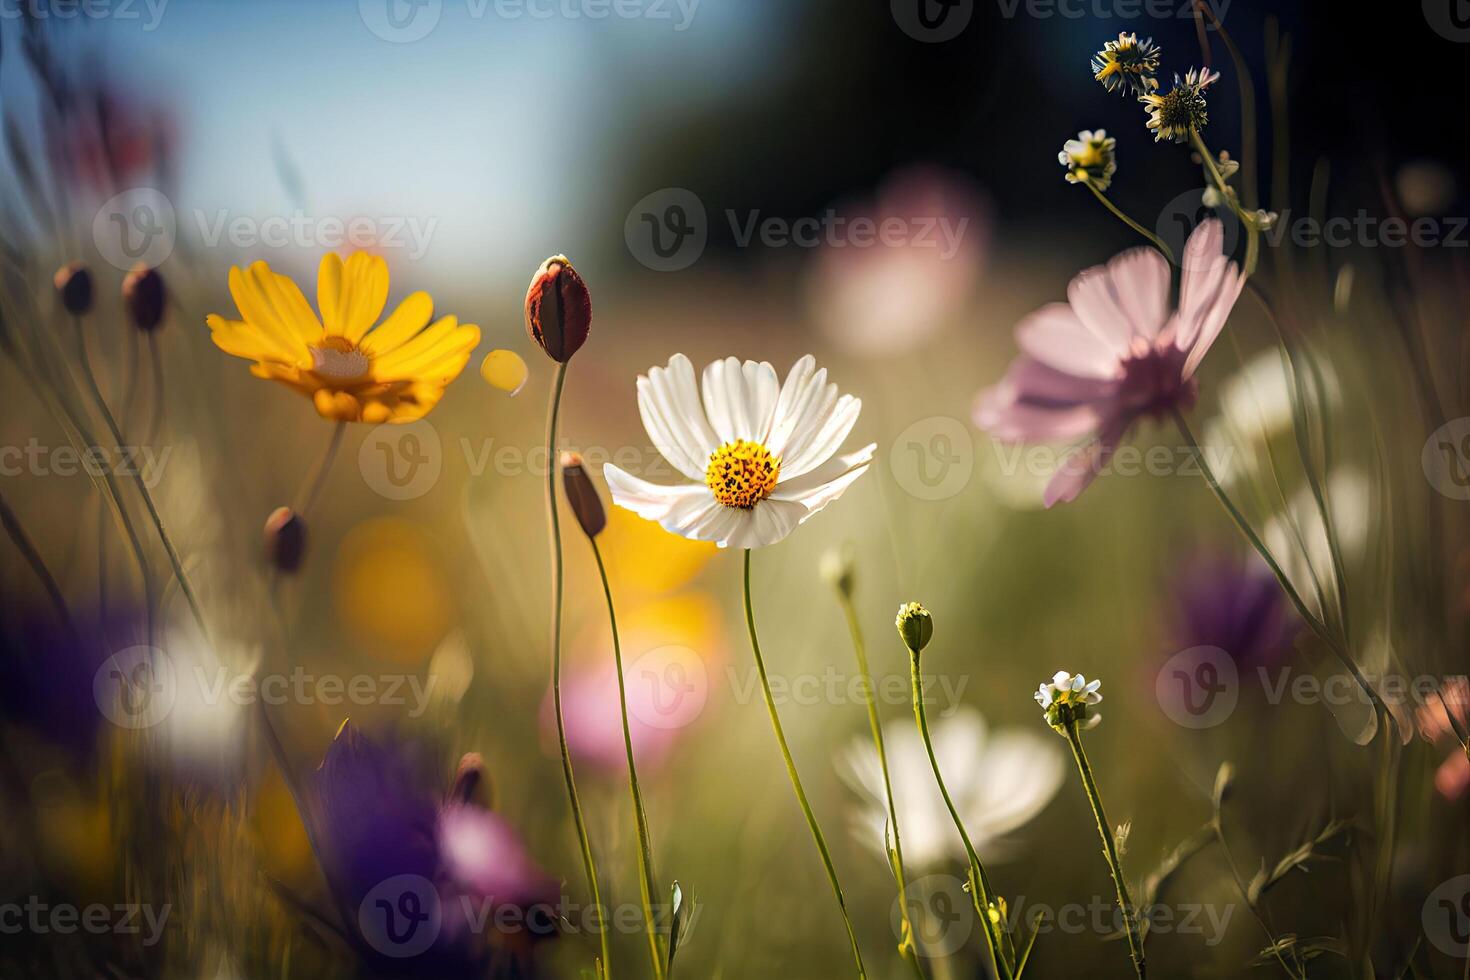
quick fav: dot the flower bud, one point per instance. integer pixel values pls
(285, 539)
(558, 309)
(582, 495)
(839, 570)
(143, 297)
(73, 283)
(915, 626)
(471, 785)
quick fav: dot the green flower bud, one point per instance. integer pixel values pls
(915, 626)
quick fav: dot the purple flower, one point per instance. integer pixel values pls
(1237, 606)
(1113, 354)
(429, 882)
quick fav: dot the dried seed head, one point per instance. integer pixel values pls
(582, 495)
(74, 285)
(558, 309)
(285, 539)
(144, 297)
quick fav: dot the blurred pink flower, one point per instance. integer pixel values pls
(1112, 354)
(874, 294)
(594, 722)
(1452, 778)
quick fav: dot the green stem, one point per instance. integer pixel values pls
(906, 946)
(980, 891)
(1253, 234)
(1155, 239)
(323, 467)
(1110, 850)
(806, 808)
(647, 879)
(1312, 620)
(175, 562)
(27, 549)
(588, 864)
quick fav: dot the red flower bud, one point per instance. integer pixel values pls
(582, 495)
(143, 297)
(471, 784)
(285, 539)
(558, 309)
(73, 283)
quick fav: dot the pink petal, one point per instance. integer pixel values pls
(1082, 465)
(1141, 280)
(1056, 337)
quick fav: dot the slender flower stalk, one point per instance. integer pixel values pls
(806, 809)
(1153, 239)
(1110, 849)
(1316, 622)
(318, 480)
(587, 507)
(1067, 702)
(164, 538)
(557, 584)
(1251, 221)
(647, 878)
(915, 628)
(841, 578)
(27, 549)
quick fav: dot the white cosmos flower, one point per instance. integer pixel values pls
(999, 782)
(762, 454)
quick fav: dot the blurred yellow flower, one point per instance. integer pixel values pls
(351, 370)
(392, 590)
(504, 369)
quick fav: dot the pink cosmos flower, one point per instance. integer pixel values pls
(1113, 354)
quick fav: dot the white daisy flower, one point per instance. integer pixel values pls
(1069, 697)
(762, 455)
(999, 781)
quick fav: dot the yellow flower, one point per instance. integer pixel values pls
(351, 370)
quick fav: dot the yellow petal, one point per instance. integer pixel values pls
(401, 326)
(244, 340)
(274, 305)
(504, 369)
(443, 337)
(351, 294)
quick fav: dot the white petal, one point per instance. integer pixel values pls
(681, 509)
(669, 402)
(1061, 680)
(825, 440)
(766, 523)
(798, 397)
(819, 487)
(740, 399)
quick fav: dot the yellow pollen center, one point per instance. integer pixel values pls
(339, 359)
(741, 474)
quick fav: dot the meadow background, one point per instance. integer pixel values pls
(506, 138)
